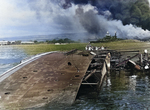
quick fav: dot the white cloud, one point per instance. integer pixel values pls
(21, 19)
(25, 17)
(12, 14)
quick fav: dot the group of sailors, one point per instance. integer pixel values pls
(90, 48)
(145, 60)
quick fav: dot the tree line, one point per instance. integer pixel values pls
(65, 40)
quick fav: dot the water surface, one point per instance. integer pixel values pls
(9, 57)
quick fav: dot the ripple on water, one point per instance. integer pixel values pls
(9, 57)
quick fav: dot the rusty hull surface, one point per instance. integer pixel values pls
(47, 80)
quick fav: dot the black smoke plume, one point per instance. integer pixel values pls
(89, 20)
(136, 12)
(96, 16)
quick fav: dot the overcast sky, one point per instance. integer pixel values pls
(33, 17)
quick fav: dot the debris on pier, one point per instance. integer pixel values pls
(140, 62)
(98, 69)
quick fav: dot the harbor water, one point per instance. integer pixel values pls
(10, 57)
(119, 92)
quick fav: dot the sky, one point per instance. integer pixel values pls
(16, 18)
(45, 17)
(31, 17)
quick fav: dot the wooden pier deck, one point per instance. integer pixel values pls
(53, 78)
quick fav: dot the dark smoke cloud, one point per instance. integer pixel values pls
(93, 16)
(89, 20)
(136, 12)
(65, 3)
